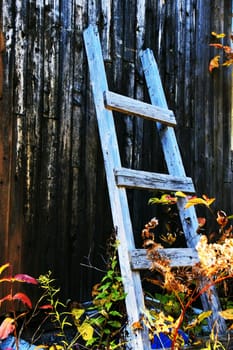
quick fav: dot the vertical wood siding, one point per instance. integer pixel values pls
(54, 206)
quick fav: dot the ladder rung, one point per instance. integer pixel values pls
(177, 256)
(131, 178)
(127, 105)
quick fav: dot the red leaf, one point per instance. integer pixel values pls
(25, 278)
(201, 221)
(217, 45)
(7, 327)
(23, 298)
(46, 307)
(7, 297)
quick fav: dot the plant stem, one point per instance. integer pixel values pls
(192, 300)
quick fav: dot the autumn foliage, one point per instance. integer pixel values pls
(8, 325)
(182, 284)
(225, 56)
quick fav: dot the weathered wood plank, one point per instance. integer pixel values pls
(118, 197)
(178, 257)
(127, 105)
(175, 167)
(169, 143)
(153, 181)
(106, 11)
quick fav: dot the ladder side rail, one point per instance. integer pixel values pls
(175, 167)
(169, 144)
(138, 339)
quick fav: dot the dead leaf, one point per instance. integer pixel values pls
(214, 63)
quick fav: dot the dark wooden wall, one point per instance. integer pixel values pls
(54, 209)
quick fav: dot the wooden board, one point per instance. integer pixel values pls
(129, 105)
(153, 181)
(178, 257)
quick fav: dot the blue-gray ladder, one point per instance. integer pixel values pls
(119, 179)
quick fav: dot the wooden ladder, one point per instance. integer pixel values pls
(119, 179)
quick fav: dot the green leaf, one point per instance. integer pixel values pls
(114, 264)
(164, 200)
(107, 331)
(115, 313)
(91, 341)
(98, 321)
(118, 278)
(108, 305)
(115, 324)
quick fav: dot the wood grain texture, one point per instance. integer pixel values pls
(178, 257)
(118, 197)
(131, 178)
(55, 200)
(132, 106)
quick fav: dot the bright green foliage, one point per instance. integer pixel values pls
(104, 328)
(109, 321)
(58, 313)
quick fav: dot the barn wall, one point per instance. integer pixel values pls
(54, 206)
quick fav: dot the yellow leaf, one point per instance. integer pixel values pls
(3, 267)
(194, 201)
(228, 62)
(86, 331)
(202, 316)
(180, 194)
(208, 200)
(203, 201)
(227, 314)
(77, 313)
(218, 36)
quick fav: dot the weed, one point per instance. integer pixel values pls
(215, 266)
(100, 325)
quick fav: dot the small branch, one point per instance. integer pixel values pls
(92, 267)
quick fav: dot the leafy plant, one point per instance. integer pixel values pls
(215, 266)
(57, 310)
(100, 325)
(8, 326)
(108, 319)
